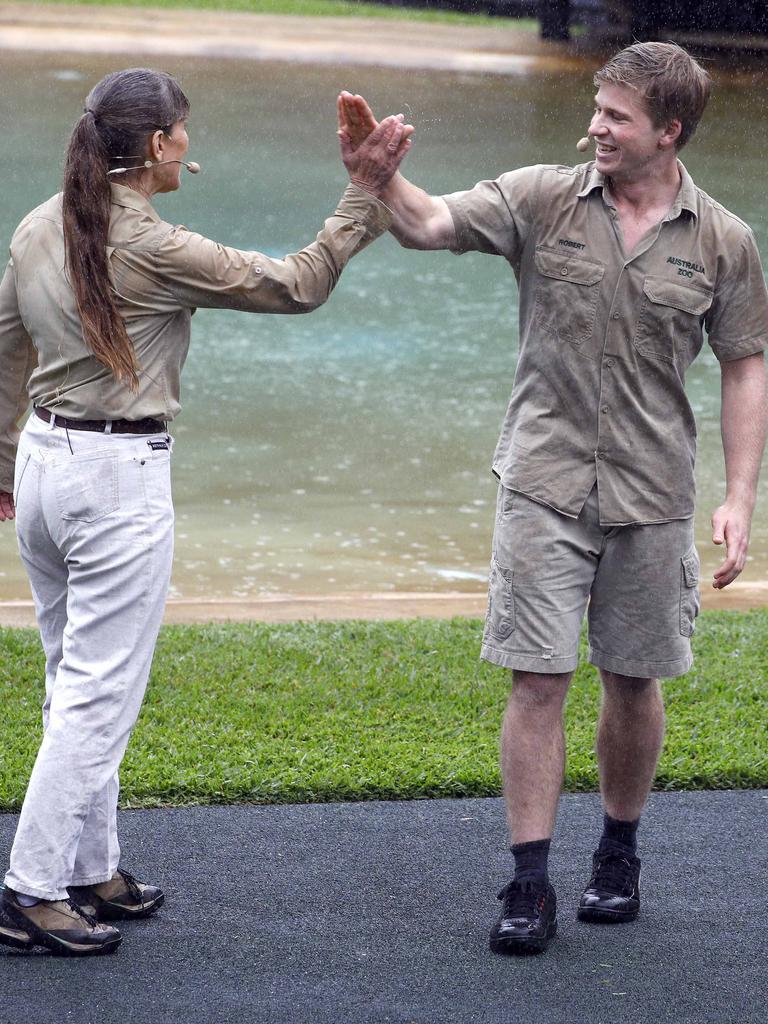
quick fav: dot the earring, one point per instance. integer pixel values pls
(149, 163)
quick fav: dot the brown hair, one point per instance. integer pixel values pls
(121, 112)
(672, 83)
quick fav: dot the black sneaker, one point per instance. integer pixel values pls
(59, 925)
(120, 898)
(528, 918)
(613, 892)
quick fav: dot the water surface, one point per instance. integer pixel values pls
(350, 449)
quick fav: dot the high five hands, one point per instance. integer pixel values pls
(371, 151)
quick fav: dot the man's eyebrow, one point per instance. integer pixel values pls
(613, 110)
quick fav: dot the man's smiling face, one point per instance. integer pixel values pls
(628, 146)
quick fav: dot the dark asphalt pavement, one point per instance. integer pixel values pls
(379, 912)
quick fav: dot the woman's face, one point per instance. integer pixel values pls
(173, 146)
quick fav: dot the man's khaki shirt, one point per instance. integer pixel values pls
(606, 337)
(160, 274)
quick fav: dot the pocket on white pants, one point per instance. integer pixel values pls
(86, 486)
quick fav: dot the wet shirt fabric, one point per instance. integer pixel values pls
(606, 337)
(160, 274)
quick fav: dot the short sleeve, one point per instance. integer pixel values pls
(496, 216)
(737, 321)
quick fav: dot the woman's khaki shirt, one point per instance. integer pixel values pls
(160, 274)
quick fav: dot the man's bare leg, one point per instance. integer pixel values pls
(630, 734)
(532, 765)
(533, 753)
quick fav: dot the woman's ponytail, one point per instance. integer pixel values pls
(86, 207)
(121, 113)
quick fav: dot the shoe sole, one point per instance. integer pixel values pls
(596, 916)
(10, 936)
(513, 946)
(114, 912)
(58, 947)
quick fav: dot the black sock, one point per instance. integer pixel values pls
(619, 833)
(531, 861)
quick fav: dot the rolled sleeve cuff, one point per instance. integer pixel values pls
(365, 209)
(463, 241)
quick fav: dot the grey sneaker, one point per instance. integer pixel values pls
(59, 925)
(121, 898)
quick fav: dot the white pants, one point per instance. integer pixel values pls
(94, 522)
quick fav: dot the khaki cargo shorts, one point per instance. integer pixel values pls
(641, 584)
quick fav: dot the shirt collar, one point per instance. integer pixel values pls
(129, 199)
(684, 200)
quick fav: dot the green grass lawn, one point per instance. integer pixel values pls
(315, 8)
(359, 710)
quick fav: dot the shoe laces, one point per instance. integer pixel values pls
(74, 905)
(522, 899)
(132, 885)
(613, 872)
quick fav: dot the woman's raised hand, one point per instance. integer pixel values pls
(355, 118)
(371, 151)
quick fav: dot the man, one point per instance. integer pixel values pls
(621, 264)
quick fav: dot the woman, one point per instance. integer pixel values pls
(95, 310)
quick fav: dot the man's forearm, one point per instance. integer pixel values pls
(421, 221)
(744, 423)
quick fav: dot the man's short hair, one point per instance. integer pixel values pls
(672, 83)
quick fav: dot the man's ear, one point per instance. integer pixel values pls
(671, 133)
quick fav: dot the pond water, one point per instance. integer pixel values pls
(349, 450)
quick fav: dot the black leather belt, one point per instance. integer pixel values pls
(145, 426)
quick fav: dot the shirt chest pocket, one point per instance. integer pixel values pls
(670, 318)
(566, 294)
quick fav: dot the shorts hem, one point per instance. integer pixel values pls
(640, 669)
(524, 661)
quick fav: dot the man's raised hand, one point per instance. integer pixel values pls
(371, 151)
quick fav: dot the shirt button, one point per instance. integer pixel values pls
(616, 316)
(564, 271)
(601, 455)
(609, 362)
(605, 408)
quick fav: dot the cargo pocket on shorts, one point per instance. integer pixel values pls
(689, 592)
(500, 620)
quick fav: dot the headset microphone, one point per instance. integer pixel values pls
(192, 167)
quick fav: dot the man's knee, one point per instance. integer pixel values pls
(629, 688)
(537, 691)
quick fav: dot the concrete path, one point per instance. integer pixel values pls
(379, 912)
